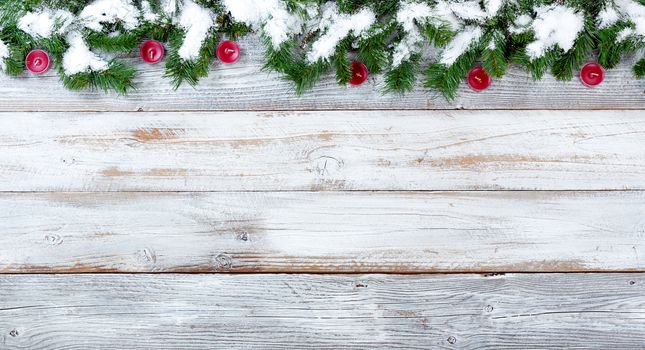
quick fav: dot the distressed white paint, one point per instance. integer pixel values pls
(244, 86)
(323, 232)
(551, 311)
(249, 151)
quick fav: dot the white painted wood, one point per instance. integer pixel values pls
(244, 86)
(322, 232)
(317, 151)
(552, 311)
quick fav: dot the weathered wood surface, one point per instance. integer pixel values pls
(324, 232)
(317, 151)
(552, 311)
(244, 86)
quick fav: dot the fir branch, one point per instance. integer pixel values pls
(124, 42)
(190, 71)
(494, 58)
(446, 79)
(118, 77)
(372, 49)
(342, 63)
(564, 66)
(305, 76)
(402, 79)
(639, 68)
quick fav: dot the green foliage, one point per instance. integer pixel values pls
(572, 60)
(494, 58)
(118, 77)
(343, 64)
(497, 49)
(446, 79)
(190, 71)
(402, 79)
(304, 76)
(639, 68)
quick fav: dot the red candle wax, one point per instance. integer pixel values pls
(478, 79)
(592, 74)
(359, 73)
(152, 51)
(37, 61)
(228, 51)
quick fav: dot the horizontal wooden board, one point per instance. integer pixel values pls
(245, 86)
(325, 232)
(319, 151)
(552, 311)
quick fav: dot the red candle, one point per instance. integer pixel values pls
(359, 73)
(478, 79)
(152, 51)
(228, 51)
(37, 61)
(592, 74)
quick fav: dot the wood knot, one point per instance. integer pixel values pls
(69, 161)
(489, 308)
(451, 340)
(361, 285)
(631, 283)
(53, 239)
(14, 333)
(328, 166)
(223, 262)
(147, 256)
(242, 236)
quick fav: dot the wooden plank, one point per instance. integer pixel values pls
(244, 86)
(318, 151)
(358, 232)
(553, 311)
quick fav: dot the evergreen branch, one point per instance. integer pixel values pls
(639, 68)
(571, 61)
(118, 77)
(342, 63)
(402, 79)
(446, 79)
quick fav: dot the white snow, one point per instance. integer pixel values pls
(409, 15)
(554, 25)
(493, 6)
(45, 23)
(147, 12)
(4, 53)
(94, 15)
(469, 10)
(336, 26)
(79, 59)
(608, 17)
(196, 21)
(444, 13)
(472, 10)
(169, 7)
(270, 16)
(522, 24)
(460, 44)
(635, 13)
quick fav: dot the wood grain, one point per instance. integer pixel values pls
(357, 232)
(551, 311)
(321, 151)
(244, 86)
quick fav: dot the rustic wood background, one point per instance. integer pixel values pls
(237, 215)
